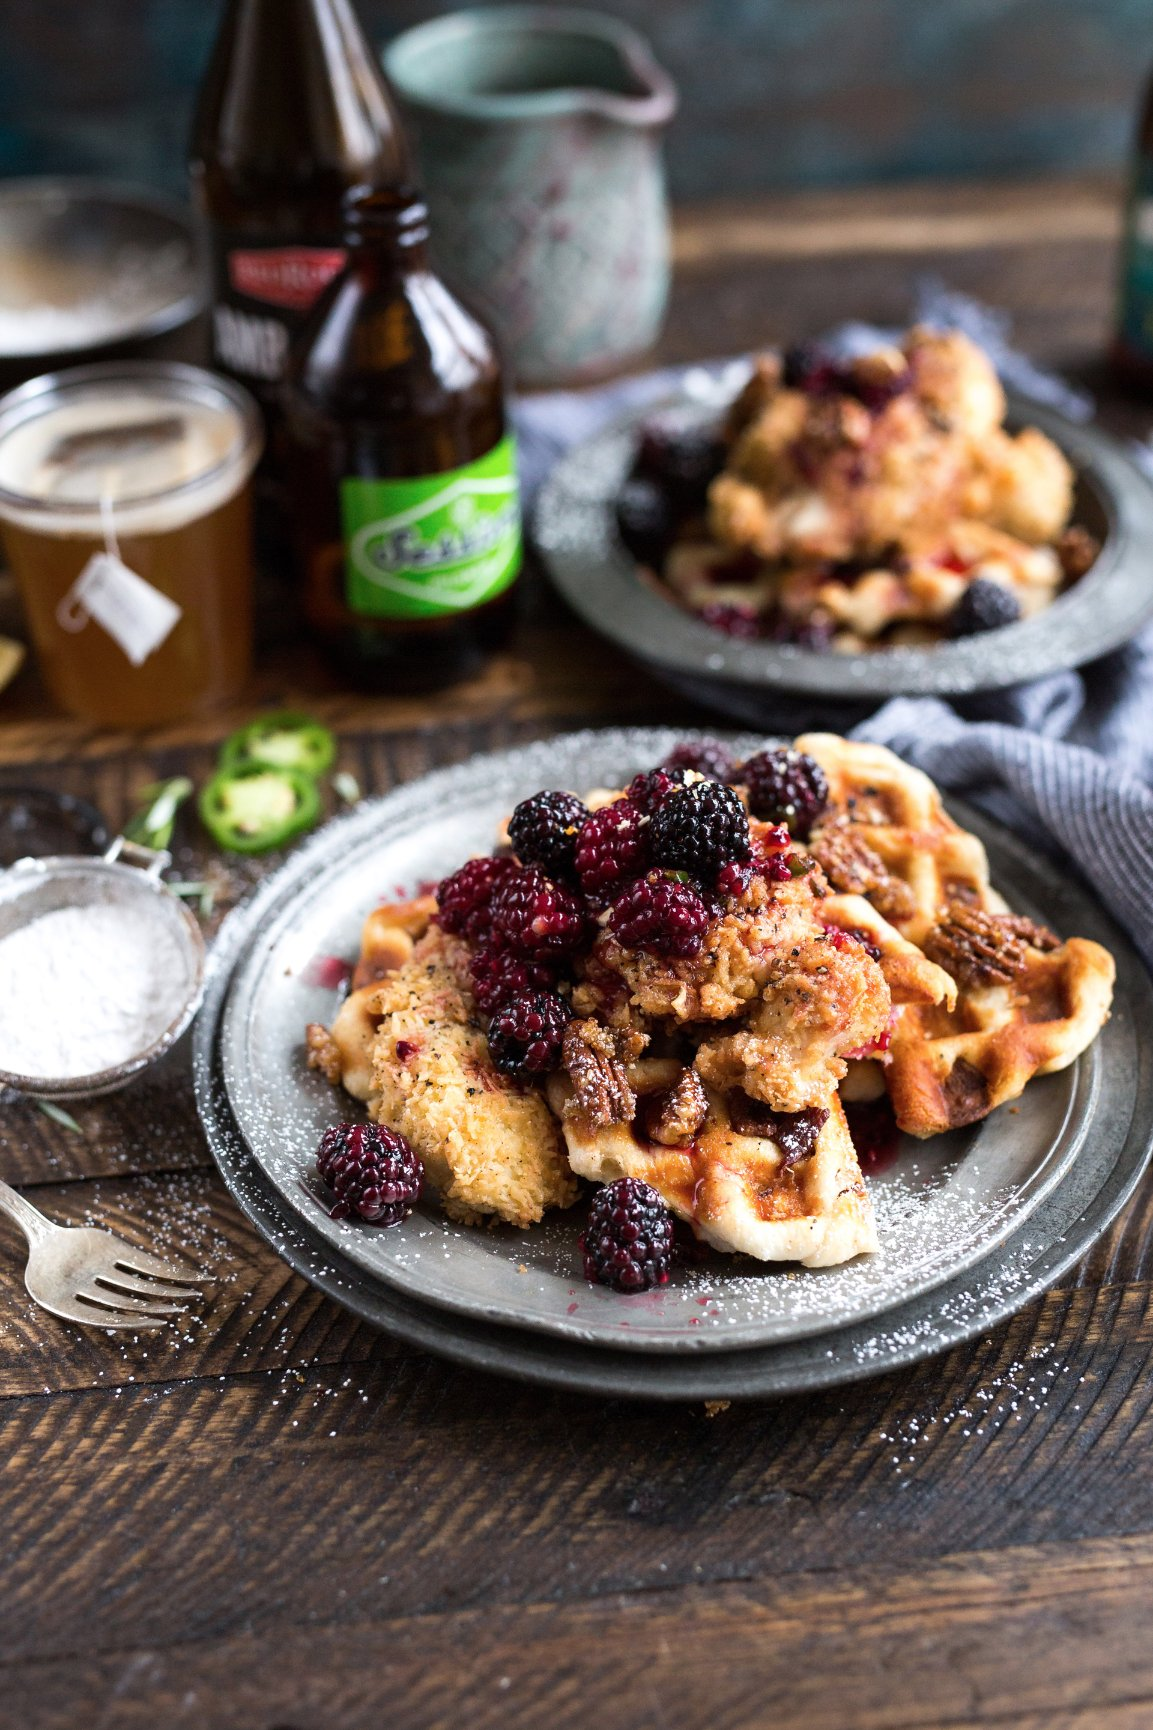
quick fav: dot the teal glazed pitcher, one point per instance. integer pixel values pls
(538, 134)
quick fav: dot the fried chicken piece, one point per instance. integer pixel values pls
(955, 380)
(488, 1145)
(1020, 484)
(818, 1002)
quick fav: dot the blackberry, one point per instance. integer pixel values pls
(652, 788)
(660, 914)
(463, 899)
(700, 830)
(543, 831)
(731, 620)
(500, 973)
(524, 1037)
(786, 786)
(682, 458)
(371, 1170)
(646, 520)
(810, 367)
(984, 606)
(628, 1242)
(536, 916)
(705, 757)
(612, 847)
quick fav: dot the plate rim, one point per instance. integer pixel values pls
(1100, 613)
(251, 918)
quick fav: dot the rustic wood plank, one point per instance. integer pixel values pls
(986, 1639)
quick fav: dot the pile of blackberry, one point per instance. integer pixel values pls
(651, 870)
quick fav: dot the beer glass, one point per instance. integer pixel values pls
(126, 517)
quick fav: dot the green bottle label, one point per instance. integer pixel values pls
(1136, 310)
(417, 549)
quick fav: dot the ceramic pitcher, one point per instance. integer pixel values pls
(538, 132)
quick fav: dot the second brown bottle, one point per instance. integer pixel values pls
(401, 468)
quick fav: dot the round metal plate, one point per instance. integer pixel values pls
(941, 1207)
(574, 527)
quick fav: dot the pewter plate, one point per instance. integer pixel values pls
(940, 1206)
(574, 527)
(1033, 1257)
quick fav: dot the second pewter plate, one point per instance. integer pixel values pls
(574, 526)
(941, 1206)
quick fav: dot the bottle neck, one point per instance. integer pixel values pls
(387, 228)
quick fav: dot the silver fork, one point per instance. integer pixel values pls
(92, 1276)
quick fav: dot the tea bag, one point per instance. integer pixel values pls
(135, 615)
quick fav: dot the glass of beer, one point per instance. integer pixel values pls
(126, 516)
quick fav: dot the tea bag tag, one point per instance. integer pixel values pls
(136, 616)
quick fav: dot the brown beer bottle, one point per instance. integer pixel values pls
(292, 112)
(1132, 350)
(401, 468)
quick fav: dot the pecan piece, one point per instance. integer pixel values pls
(1077, 550)
(980, 948)
(595, 1058)
(795, 1132)
(854, 868)
(674, 1115)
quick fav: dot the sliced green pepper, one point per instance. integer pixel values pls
(285, 740)
(254, 807)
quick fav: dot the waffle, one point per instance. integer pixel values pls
(736, 1188)
(1023, 1002)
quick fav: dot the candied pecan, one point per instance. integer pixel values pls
(323, 1052)
(595, 1058)
(755, 395)
(795, 1132)
(1077, 549)
(674, 1116)
(980, 948)
(854, 868)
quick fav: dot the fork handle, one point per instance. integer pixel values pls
(31, 1222)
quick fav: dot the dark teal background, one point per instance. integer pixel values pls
(775, 92)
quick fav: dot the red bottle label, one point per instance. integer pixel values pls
(293, 277)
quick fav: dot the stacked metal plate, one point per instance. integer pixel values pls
(972, 1225)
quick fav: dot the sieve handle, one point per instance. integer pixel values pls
(152, 861)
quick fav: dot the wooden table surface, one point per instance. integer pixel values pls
(282, 1518)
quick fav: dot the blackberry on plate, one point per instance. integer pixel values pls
(701, 829)
(705, 757)
(543, 830)
(660, 914)
(651, 788)
(525, 1036)
(731, 620)
(786, 786)
(984, 606)
(371, 1170)
(809, 366)
(683, 456)
(613, 845)
(500, 973)
(538, 917)
(463, 899)
(646, 520)
(628, 1241)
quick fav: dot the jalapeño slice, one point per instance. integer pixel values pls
(285, 741)
(254, 807)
